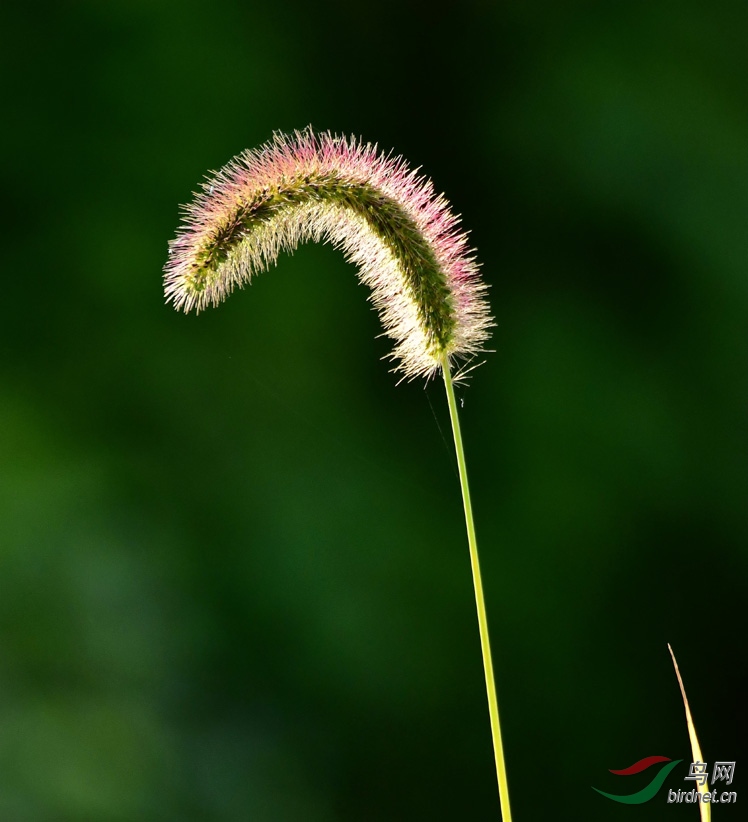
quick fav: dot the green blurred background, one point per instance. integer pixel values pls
(234, 583)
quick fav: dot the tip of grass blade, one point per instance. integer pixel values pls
(705, 809)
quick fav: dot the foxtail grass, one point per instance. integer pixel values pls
(407, 247)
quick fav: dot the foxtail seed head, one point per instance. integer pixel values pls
(386, 219)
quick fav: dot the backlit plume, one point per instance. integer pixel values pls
(386, 219)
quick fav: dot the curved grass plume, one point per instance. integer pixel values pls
(387, 220)
(403, 239)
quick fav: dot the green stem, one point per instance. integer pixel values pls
(493, 705)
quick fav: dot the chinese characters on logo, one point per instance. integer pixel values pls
(723, 771)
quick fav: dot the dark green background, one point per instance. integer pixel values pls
(234, 583)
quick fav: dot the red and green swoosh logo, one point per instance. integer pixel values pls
(646, 793)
